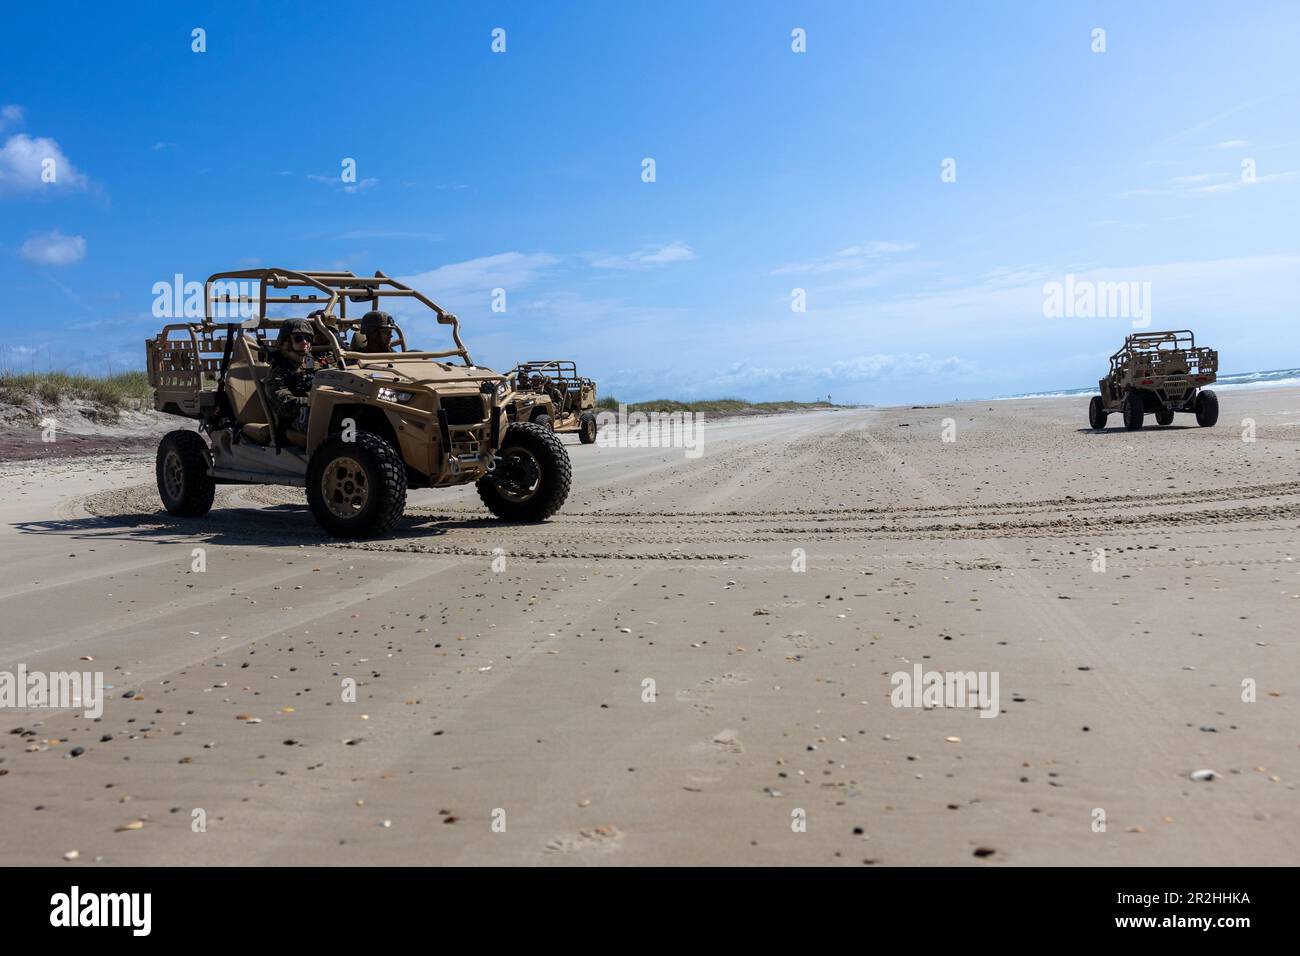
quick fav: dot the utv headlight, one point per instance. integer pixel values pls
(501, 390)
(393, 395)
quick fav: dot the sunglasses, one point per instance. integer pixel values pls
(299, 337)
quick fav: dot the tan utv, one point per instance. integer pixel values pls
(1160, 372)
(550, 392)
(379, 422)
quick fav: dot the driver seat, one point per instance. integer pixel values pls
(244, 386)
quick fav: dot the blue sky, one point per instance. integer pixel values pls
(775, 171)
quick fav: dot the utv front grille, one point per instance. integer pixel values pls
(464, 409)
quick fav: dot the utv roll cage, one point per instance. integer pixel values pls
(188, 357)
(561, 371)
(324, 291)
(1147, 349)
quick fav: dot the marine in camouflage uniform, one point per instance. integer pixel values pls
(292, 369)
(375, 334)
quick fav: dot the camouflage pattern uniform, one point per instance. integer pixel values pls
(289, 384)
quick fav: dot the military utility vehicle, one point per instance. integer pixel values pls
(379, 423)
(1159, 372)
(552, 393)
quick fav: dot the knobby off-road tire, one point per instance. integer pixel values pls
(545, 421)
(1097, 413)
(1165, 417)
(184, 484)
(587, 428)
(356, 489)
(1207, 409)
(531, 479)
(1134, 413)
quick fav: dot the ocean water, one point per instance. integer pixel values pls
(1273, 379)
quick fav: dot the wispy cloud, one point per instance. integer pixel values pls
(1217, 118)
(507, 270)
(1217, 182)
(791, 380)
(852, 258)
(1183, 291)
(1232, 185)
(340, 186)
(675, 251)
(362, 234)
(1011, 276)
(1231, 144)
(53, 249)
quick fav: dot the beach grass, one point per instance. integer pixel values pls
(716, 406)
(112, 392)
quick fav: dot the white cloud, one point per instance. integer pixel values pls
(507, 270)
(339, 184)
(866, 368)
(747, 379)
(1232, 185)
(1204, 183)
(675, 251)
(1217, 118)
(53, 249)
(852, 258)
(1231, 144)
(878, 247)
(1199, 292)
(11, 115)
(362, 234)
(1009, 276)
(23, 161)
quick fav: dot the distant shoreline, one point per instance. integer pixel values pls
(1276, 378)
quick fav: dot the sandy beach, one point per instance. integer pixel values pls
(691, 663)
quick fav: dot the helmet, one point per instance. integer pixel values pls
(293, 327)
(298, 326)
(376, 320)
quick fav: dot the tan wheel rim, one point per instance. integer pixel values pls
(174, 476)
(344, 487)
